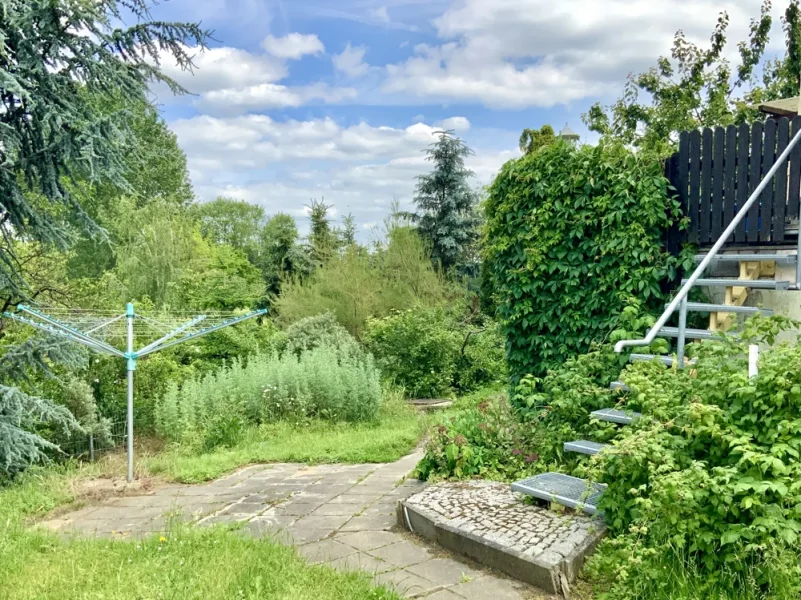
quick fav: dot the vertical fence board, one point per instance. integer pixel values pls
(730, 182)
(716, 224)
(794, 190)
(754, 176)
(695, 184)
(780, 202)
(704, 219)
(766, 200)
(742, 178)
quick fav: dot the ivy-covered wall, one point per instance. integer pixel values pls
(573, 234)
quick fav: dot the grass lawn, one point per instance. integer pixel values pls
(192, 563)
(189, 563)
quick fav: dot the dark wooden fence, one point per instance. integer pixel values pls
(716, 170)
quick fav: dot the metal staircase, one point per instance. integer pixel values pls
(757, 271)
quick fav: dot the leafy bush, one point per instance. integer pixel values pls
(711, 472)
(429, 352)
(417, 350)
(485, 440)
(320, 330)
(323, 382)
(356, 285)
(571, 234)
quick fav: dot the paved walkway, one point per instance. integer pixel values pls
(340, 515)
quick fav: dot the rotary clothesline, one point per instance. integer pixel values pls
(100, 330)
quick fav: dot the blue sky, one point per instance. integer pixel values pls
(337, 99)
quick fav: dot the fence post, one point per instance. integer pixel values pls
(753, 358)
(91, 447)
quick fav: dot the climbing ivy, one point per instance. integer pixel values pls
(572, 234)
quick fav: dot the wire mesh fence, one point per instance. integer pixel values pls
(90, 447)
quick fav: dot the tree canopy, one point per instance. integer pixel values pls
(697, 87)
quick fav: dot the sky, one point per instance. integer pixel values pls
(338, 99)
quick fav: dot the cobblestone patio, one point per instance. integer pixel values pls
(340, 515)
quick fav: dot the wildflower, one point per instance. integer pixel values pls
(162, 539)
(460, 440)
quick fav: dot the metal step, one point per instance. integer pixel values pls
(754, 284)
(690, 334)
(563, 489)
(612, 415)
(619, 385)
(726, 308)
(665, 360)
(780, 259)
(584, 447)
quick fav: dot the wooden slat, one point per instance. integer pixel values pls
(695, 184)
(674, 236)
(704, 204)
(767, 199)
(743, 137)
(716, 222)
(780, 204)
(730, 181)
(794, 189)
(754, 177)
(683, 170)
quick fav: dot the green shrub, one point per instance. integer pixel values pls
(320, 330)
(430, 352)
(486, 440)
(710, 474)
(417, 350)
(571, 234)
(483, 359)
(357, 285)
(323, 382)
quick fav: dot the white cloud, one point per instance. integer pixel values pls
(220, 68)
(454, 124)
(293, 45)
(351, 61)
(282, 164)
(381, 13)
(270, 95)
(520, 53)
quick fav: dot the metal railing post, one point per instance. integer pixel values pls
(131, 367)
(682, 333)
(753, 361)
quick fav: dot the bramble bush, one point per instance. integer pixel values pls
(544, 414)
(323, 382)
(572, 234)
(709, 479)
(429, 352)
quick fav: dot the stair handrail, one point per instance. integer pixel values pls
(699, 270)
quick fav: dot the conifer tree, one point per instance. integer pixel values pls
(447, 218)
(58, 57)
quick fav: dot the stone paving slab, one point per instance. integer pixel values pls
(343, 516)
(489, 523)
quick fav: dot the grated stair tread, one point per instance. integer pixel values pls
(563, 489)
(584, 447)
(756, 284)
(726, 308)
(613, 415)
(779, 259)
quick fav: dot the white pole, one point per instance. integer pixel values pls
(131, 367)
(753, 358)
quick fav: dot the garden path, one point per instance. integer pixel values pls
(340, 515)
